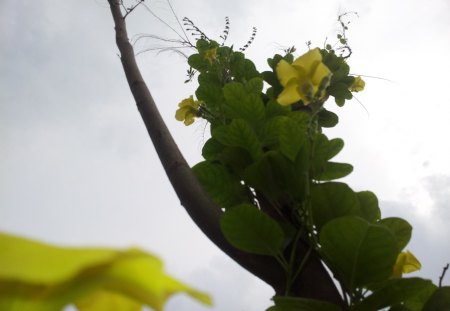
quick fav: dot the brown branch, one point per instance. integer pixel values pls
(313, 282)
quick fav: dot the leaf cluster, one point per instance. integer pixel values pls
(271, 169)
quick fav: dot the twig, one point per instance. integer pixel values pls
(443, 274)
(130, 9)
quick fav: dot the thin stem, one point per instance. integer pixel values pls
(443, 274)
(302, 264)
(282, 261)
(289, 277)
(165, 23)
(178, 20)
(131, 9)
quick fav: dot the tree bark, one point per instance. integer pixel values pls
(314, 282)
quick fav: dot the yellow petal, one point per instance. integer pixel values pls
(285, 72)
(411, 263)
(38, 277)
(189, 119)
(321, 72)
(290, 94)
(181, 113)
(406, 263)
(187, 102)
(308, 60)
(357, 85)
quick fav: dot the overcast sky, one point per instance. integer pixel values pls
(77, 167)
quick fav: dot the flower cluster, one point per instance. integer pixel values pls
(210, 55)
(358, 85)
(305, 79)
(188, 110)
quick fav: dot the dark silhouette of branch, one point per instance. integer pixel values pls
(313, 282)
(444, 270)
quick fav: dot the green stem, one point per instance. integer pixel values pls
(289, 277)
(302, 264)
(282, 261)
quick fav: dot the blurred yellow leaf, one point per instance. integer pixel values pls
(37, 276)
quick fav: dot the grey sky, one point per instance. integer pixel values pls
(77, 168)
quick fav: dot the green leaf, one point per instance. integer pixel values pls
(212, 95)
(239, 134)
(273, 62)
(369, 206)
(303, 304)
(271, 78)
(209, 78)
(340, 101)
(332, 200)
(276, 176)
(223, 187)
(242, 104)
(242, 69)
(440, 300)
(334, 170)
(254, 86)
(250, 230)
(212, 149)
(326, 149)
(301, 118)
(274, 109)
(236, 158)
(39, 277)
(292, 137)
(328, 118)
(202, 45)
(358, 252)
(198, 62)
(416, 302)
(270, 133)
(400, 228)
(398, 291)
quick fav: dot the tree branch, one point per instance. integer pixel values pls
(313, 282)
(444, 270)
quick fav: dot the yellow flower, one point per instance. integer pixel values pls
(406, 263)
(187, 111)
(210, 55)
(358, 85)
(305, 79)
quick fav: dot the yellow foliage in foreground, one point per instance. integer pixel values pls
(38, 276)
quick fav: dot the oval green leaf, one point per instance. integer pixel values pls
(400, 228)
(223, 187)
(358, 252)
(332, 200)
(368, 202)
(411, 292)
(250, 230)
(440, 300)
